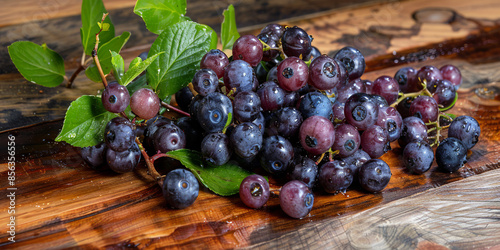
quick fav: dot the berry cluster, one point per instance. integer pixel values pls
(279, 104)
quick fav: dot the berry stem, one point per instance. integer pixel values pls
(73, 76)
(150, 164)
(94, 53)
(168, 106)
(424, 91)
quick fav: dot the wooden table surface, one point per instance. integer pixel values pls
(61, 203)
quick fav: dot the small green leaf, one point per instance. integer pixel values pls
(92, 11)
(160, 14)
(104, 55)
(184, 45)
(223, 180)
(229, 32)
(137, 69)
(104, 26)
(85, 122)
(38, 64)
(118, 66)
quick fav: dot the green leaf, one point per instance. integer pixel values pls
(118, 66)
(160, 14)
(92, 11)
(38, 64)
(104, 55)
(184, 45)
(85, 122)
(223, 180)
(138, 68)
(229, 32)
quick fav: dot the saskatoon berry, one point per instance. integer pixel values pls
(390, 120)
(192, 131)
(350, 89)
(338, 112)
(425, 107)
(260, 122)
(285, 122)
(238, 76)
(451, 154)
(375, 141)
(445, 92)
(151, 126)
(216, 60)
(169, 137)
(194, 105)
(418, 157)
(315, 104)
(272, 97)
(347, 140)
(386, 87)
(304, 170)
(428, 74)
(452, 74)
(379, 100)
(273, 29)
(254, 191)
(312, 55)
(145, 103)
(292, 74)
(324, 73)
(115, 97)
(335, 176)
(276, 155)
(180, 188)
(296, 199)
(360, 111)
(119, 134)
(246, 139)
(466, 129)
(213, 112)
(215, 148)
(95, 156)
(249, 49)
(356, 160)
(246, 106)
(205, 81)
(374, 175)
(125, 161)
(296, 42)
(352, 60)
(317, 134)
(272, 42)
(407, 80)
(414, 129)
(183, 97)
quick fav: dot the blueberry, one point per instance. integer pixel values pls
(451, 154)
(466, 129)
(180, 188)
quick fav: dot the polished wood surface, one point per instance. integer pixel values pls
(61, 203)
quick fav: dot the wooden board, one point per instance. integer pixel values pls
(61, 203)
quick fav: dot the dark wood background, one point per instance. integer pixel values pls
(62, 203)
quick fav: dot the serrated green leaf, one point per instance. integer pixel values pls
(184, 45)
(160, 14)
(229, 32)
(92, 11)
(223, 180)
(138, 68)
(104, 55)
(38, 64)
(118, 65)
(85, 122)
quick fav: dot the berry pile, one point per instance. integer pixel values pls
(278, 104)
